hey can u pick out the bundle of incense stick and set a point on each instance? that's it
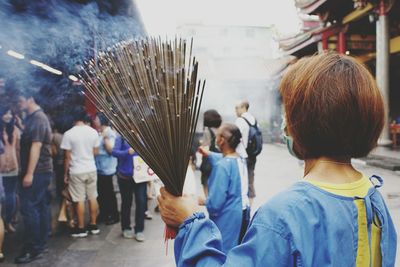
(148, 90)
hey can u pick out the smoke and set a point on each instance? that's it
(61, 34)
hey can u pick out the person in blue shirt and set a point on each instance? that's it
(334, 216)
(106, 165)
(227, 202)
(127, 187)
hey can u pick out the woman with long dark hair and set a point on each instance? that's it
(9, 163)
(212, 120)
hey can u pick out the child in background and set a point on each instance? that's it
(212, 121)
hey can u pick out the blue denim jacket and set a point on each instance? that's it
(106, 164)
(303, 226)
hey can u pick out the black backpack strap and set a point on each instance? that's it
(211, 133)
(213, 140)
(255, 123)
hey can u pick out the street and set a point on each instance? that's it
(275, 171)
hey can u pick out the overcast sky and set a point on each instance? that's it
(162, 16)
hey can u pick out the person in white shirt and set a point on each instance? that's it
(81, 144)
(242, 115)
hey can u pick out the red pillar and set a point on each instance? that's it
(382, 9)
(341, 43)
(325, 43)
(89, 105)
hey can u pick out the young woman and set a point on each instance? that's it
(212, 120)
(227, 202)
(335, 216)
(127, 186)
(9, 163)
(106, 168)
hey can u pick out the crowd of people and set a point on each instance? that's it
(36, 154)
(333, 113)
(81, 162)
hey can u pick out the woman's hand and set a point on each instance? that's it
(175, 210)
(204, 150)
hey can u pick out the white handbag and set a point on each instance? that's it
(141, 171)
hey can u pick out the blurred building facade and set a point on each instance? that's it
(238, 63)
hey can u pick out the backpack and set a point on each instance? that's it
(255, 142)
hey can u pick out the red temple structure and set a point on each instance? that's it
(368, 30)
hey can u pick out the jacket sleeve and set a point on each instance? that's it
(117, 151)
(218, 186)
(214, 157)
(199, 243)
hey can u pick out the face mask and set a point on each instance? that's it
(288, 139)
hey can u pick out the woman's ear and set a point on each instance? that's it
(220, 141)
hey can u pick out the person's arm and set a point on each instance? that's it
(214, 157)
(96, 143)
(117, 151)
(34, 154)
(199, 243)
(218, 186)
(109, 142)
(18, 145)
(54, 148)
(108, 145)
(38, 135)
(66, 146)
(67, 161)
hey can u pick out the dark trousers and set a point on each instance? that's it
(106, 197)
(35, 212)
(10, 202)
(128, 187)
(245, 224)
(251, 165)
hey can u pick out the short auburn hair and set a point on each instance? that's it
(333, 107)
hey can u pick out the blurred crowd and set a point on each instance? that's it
(41, 163)
(81, 167)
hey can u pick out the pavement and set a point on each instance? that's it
(275, 171)
(384, 157)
